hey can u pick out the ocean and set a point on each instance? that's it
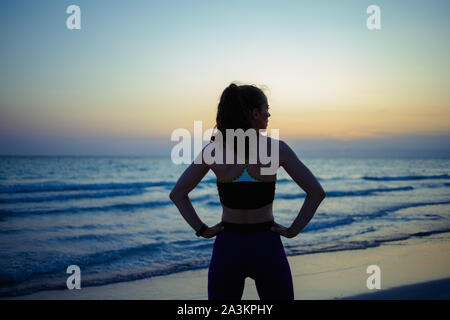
(112, 216)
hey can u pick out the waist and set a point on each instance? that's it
(241, 216)
(247, 227)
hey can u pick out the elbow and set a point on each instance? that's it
(175, 194)
(319, 194)
(322, 194)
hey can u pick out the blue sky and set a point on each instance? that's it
(137, 70)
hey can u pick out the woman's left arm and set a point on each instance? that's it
(185, 184)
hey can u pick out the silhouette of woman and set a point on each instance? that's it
(248, 242)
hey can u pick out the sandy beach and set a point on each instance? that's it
(417, 268)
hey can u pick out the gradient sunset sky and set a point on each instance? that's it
(137, 70)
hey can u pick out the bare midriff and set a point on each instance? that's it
(259, 215)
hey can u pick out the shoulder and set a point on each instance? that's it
(282, 145)
(285, 152)
(279, 147)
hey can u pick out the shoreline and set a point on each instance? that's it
(431, 290)
(416, 268)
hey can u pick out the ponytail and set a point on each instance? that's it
(235, 106)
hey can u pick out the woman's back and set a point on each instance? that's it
(229, 171)
(245, 193)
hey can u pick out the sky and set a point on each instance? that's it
(137, 70)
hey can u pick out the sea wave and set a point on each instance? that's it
(407, 178)
(57, 261)
(120, 207)
(364, 192)
(168, 268)
(50, 186)
(72, 196)
(354, 245)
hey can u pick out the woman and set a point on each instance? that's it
(248, 242)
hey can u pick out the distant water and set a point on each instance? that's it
(113, 218)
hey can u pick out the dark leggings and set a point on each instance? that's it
(259, 255)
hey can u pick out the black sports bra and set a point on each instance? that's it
(245, 191)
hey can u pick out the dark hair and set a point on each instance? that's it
(235, 106)
(234, 109)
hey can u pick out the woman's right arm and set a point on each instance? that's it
(306, 180)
